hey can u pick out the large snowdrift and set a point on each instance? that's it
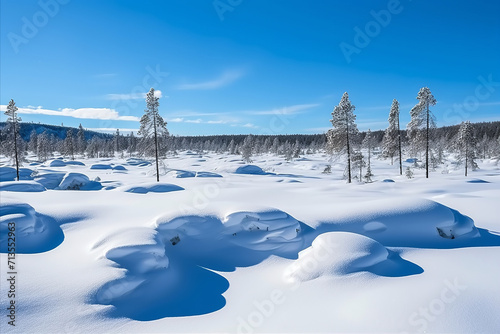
(34, 232)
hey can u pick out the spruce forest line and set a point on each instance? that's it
(421, 141)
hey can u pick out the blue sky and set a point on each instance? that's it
(241, 66)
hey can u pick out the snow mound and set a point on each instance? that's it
(409, 223)
(120, 168)
(153, 187)
(181, 173)
(50, 180)
(336, 253)
(250, 169)
(21, 186)
(207, 174)
(101, 166)
(9, 174)
(78, 181)
(34, 232)
(388, 180)
(74, 163)
(56, 163)
(261, 231)
(138, 162)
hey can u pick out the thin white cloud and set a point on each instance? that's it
(83, 113)
(123, 131)
(196, 121)
(224, 79)
(250, 125)
(289, 110)
(131, 96)
(176, 120)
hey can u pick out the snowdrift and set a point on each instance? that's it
(151, 187)
(408, 223)
(343, 253)
(9, 174)
(78, 181)
(34, 232)
(21, 186)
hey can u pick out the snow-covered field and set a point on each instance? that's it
(220, 246)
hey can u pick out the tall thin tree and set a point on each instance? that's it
(422, 120)
(344, 128)
(13, 122)
(152, 124)
(391, 144)
(466, 145)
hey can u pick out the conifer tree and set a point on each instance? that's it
(391, 144)
(344, 129)
(466, 146)
(422, 121)
(247, 148)
(15, 144)
(153, 125)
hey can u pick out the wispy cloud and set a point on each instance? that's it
(289, 110)
(224, 79)
(83, 113)
(250, 125)
(113, 130)
(132, 96)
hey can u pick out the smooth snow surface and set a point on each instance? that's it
(220, 246)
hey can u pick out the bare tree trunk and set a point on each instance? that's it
(156, 150)
(399, 148)
(348, 153)
(427, 145)
(466, 158)
(15, 148)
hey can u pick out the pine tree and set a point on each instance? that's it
(33, 143)
(153, 125)
(80, 140)
(69, 145)
(369, 144)
(466, 146)
(15, 144)
(43, 147)
(422, 120)
(232, 147)
(344, 128)
(391, 144)
(247, 148)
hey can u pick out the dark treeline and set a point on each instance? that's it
(47, 140)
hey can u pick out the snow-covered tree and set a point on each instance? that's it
(247, 148)
(43, 150)
(80, 140)
(14, 142)
(232, 147)
(466, 146)
(33, 143)
(344, 128)
(422, 120)
(369, 144)
(69, 144)
(153, 125)
(391, 144)
(358, 162)
(276, 146)
(132, 144)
